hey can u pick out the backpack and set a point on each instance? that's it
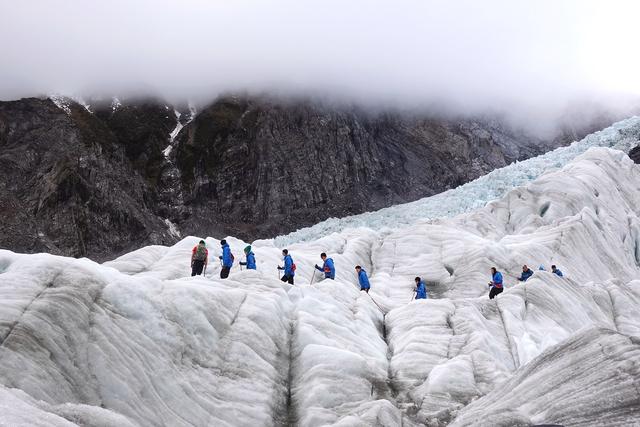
(201, 253)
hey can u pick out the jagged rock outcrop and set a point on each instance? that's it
(67, 186)
(99, 181)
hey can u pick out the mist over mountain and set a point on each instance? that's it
(530, 61)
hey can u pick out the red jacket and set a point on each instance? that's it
(195, 249)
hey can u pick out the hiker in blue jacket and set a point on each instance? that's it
(227, 259)
(289, 267)
(251, 259)
(363, 279)
(421, 289)
(556, 271)
(495, 283)
(327, 268)
(526, 273)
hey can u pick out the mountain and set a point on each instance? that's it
(253, 167)
(72, 183)
(138, 342)
(103, 177)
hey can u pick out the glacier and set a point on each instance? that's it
(138, 342)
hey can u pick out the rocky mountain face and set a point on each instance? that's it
(255, 168)
(79, 183)
(102, 180)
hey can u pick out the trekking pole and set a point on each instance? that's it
(414, 296)
(204, 273)
(313, 276)
(374, 301)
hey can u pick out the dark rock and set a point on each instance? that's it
(66, 186)
(141, 128)
(635, 154)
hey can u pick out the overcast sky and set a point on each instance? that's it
(468, 54)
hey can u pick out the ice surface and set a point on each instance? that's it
(604, 371)
(137, 341)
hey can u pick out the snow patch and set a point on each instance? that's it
(115, 104)
(173, 229)
(61, 102)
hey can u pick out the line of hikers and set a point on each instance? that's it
(200, 259)
(496, 285)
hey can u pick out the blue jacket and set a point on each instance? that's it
(363, 279)
(558, 272)
(251, 261)
(288, 266)
(497, 279)
(421, 291)
(227, 261)
(328, 268)
(525, 275)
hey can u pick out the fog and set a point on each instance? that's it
(528, 58)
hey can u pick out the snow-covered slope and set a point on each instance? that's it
(135, 341)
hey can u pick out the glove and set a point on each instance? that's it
(243, 263)
(317, 266)
(280, 268)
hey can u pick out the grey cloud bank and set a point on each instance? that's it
(528, 57)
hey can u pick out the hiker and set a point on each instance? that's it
(363, 279)
(327, 267)
(289, 267)
(199, 258)
(495, 283)
(526, 273)
(556, 271)
(251, 259)
(227, 259)
(421, 289)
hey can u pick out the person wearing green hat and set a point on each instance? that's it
(251, 259)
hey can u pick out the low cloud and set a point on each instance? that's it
(528, 58)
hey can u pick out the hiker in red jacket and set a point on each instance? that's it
(199, 258)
